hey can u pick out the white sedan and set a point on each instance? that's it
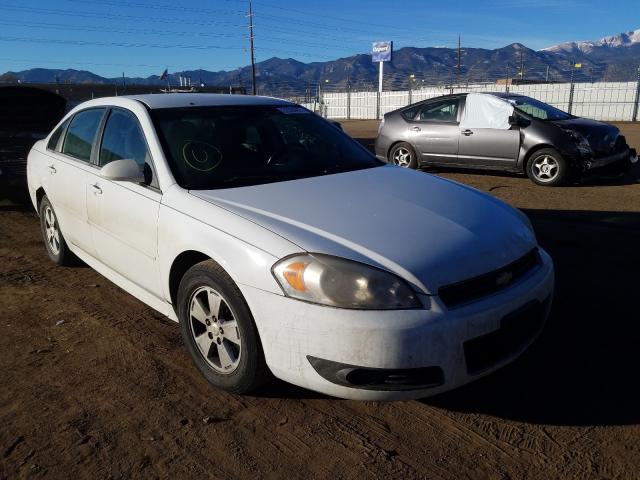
(284, 247)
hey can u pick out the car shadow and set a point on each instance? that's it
(591, 180)
(583, 369)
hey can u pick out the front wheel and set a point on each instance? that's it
(547, 167)
(218, 329)
(403, 155)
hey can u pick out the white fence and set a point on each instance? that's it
(610, 101)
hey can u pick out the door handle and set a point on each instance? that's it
(52, 169)
(467, 132)
(96, 189)
(416, 129)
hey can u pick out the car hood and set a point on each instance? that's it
(601, 136)
(428, 230)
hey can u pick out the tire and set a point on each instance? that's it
(54, 241)
(548, 168)
(403, 155)
(224, 345)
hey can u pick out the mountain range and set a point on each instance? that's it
(614, 58)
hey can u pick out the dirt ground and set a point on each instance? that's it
(94, 384)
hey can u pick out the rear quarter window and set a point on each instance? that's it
(54, 140)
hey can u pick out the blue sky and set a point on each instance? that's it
(142, 37)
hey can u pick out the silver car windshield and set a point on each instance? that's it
(223, 147)
(537, 109)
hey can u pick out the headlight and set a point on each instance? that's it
(581, 142)
(337, 282)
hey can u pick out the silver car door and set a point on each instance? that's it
(435, 131)
(489, 147)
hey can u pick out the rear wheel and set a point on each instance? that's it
(403, 155)
(218, 329)
(547, 167)
(54, 241)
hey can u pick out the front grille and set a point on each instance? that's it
(456, 294)
(516, 331)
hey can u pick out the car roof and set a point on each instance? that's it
(179, 100)
(505, 94)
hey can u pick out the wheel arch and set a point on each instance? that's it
(396, 143)
(40, 193)
(183, 262)
(529, 154)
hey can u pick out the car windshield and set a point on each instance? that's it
(223, 147)
(537, 109)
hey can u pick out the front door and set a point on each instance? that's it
(124, 215)
(489, 147)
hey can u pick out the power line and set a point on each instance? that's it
(65, 26)
(112, 44)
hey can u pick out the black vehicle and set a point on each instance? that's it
(547, 144)
(26, 115)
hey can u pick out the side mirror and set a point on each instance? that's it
(513, 120)
(126, 170)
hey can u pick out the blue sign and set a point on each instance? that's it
(381, 51)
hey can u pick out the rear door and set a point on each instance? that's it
(435, 132)
(124, 215)
(69, 164)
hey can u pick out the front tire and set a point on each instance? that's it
(218, 330)
(547, 167)
(54, 241)
(403, 155)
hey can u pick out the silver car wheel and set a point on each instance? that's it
(52, 231)
(402, 157)
(546, 168)
(215, 330)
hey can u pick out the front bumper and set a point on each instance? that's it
(296, 336)
(622, 160)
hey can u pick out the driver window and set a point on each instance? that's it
(444, 111)
(123, 139)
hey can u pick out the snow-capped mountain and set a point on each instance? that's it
(626, 39)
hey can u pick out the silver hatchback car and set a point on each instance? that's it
(501, 131)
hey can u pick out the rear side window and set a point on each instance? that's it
(444, 111)
(54, 141)
(81, 134)
(123, 139)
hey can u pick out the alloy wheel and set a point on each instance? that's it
(546, 168)
(402, 157)
(215, 330)
(52, 231)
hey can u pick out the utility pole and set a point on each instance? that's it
(253, 61)
(459, 64)
(521, 64)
